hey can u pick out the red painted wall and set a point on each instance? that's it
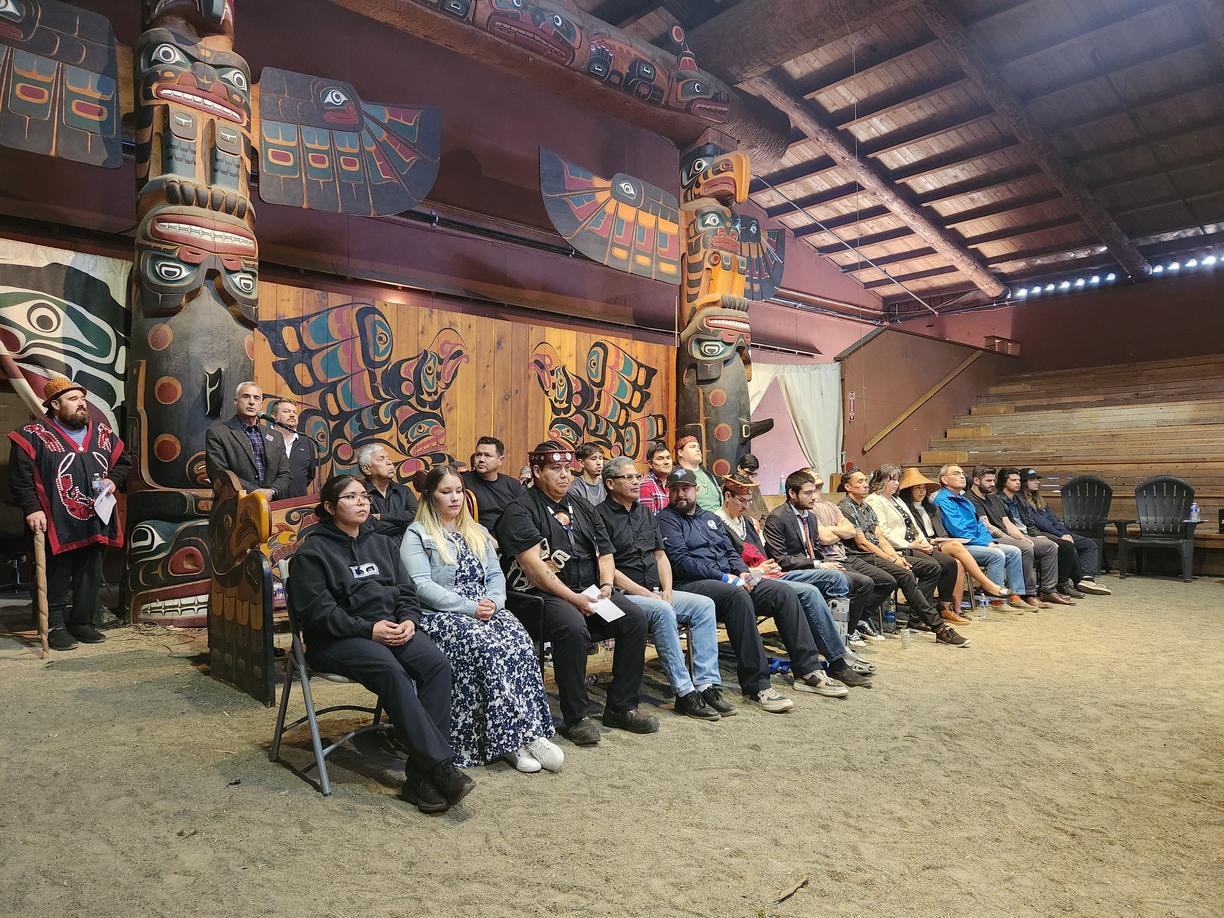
(1160, 319)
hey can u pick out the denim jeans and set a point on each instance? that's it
(698, 613)
(812, 585)
(995, 558)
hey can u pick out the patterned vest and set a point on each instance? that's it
(62, 476)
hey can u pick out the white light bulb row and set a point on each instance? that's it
(1096, 280)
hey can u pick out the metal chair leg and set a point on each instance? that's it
(290, 670)
(324, 782)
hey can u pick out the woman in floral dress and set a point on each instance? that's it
(499, 709)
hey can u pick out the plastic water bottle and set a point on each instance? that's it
(840, 610)
(890, 616)
(96, 484)
(907, 638)
(983, 607)
(1194, 513)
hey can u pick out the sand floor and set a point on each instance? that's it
(1069, 763)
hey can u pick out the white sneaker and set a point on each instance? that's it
(548, 754)
(523, 761)
(820, 684)
(1091, 586)
(771, 700)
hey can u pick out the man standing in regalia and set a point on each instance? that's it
(60, 466)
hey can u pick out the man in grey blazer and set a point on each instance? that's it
(253, 453)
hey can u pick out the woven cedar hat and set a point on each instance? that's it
(738, 486)
(911, 478)
(57, 386)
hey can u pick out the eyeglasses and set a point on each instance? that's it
(355, 497)
(634, 477)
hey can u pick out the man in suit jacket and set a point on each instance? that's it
(242, 446)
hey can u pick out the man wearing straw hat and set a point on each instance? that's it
(61, 465)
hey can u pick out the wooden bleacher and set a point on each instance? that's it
(1123, 422)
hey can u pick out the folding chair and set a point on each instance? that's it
(297, 668)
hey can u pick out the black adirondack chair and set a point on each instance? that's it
(1086, 500)
(1163, 505)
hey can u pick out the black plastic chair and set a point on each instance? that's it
(1086, 500)
(297, 669)
(1163, 506)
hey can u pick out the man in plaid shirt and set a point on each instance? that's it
(654, 486)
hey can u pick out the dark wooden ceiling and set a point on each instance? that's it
(1115, 148)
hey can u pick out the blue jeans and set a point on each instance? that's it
(812, 585)
(994, 558)
(698, 613)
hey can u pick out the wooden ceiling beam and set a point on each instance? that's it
(816, 199)
(873, 180)
(1179, 131)
(1010, 109)
(1106, 21)
(977, 183)
(867, 64)
(895, 99)
(836, 223)
(954, 158)
(1212, 14)
(755, 36)
(863, 242)
(1015, 232)
(997, 208)
(788, 174)
(855, 267)
(906, 278)
(1040, 251)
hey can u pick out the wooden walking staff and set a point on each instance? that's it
(40, 586)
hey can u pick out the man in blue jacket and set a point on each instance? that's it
(699, 550)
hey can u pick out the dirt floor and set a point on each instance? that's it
(1069, 763)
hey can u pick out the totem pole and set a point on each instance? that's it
(195, 289)
(713, 363)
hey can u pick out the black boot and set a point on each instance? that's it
(86, 633)
(419, 790)
(60, 639)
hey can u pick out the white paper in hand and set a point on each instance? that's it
(604, 608)
(104, 506)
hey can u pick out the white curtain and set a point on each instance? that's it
(812, 394)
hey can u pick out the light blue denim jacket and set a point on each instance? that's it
(435, 581)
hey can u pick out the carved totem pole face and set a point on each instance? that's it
(196, 287)
(713, 359)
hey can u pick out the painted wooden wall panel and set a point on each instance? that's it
(427, 382)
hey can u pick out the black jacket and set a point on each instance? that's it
(303, 464)
(784, 538)
(340, 586)
(395, 512)
(226, 448)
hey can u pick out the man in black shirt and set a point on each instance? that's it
(493, 491)
(393, 506)
(993, 514)
(300, 450)
(555, 547)
(643, 572)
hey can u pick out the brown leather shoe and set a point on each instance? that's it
(1056, 600)
(1034, 602)
(954, 618)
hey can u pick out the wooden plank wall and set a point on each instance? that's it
(494, 389)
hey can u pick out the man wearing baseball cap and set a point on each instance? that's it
(700, 551)
(1088, 556)
(59, 466)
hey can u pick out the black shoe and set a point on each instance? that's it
(632, 720)
(86, 634)
(60, 639)
(693, 705)
(420, 791)
(841, 671)
(453, 783)
(714, 699)
(1066, 589)
(583, 733)
(950, 637)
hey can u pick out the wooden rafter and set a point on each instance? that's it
(754, 36)
(1034, 137)
(1212, 13)
(872, 179)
